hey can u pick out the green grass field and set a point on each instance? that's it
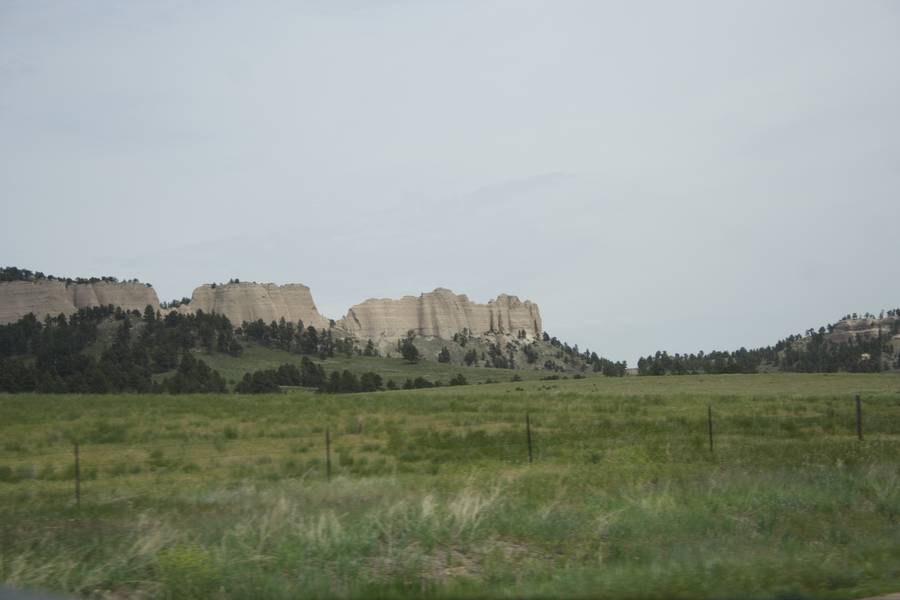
(432, 494)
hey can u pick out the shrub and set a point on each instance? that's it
(459, 379)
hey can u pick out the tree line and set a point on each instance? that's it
(295, 338)
(18, 274)
(572, 356)
(49, 355)
(312, 375)
(507, 357)
(814, 352)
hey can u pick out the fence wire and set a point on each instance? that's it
(198, 461)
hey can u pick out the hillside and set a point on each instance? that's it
(105, 349)
(99, 334)
(866, 343)
(256, 357)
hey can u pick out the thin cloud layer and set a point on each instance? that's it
(700, 175)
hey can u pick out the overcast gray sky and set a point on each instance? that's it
(656, 175)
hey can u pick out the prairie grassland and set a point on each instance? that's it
(432, 494)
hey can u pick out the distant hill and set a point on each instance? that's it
(855, 343)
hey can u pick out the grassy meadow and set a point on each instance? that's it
(431, 492)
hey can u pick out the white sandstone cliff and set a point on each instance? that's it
(253, 301)
(441, 314)
(52, 297)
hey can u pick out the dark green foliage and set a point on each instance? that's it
(444, 355)
(270, 380)
(312, 374)
(741, 361)
(175, 303)
(259, 382)
(17, 376)
(17, 274)
(606, 366)
(459, 379)
(813, 352)
(498, 359)
(51, 356)
(574, 359)
(349, 382)
(309, 375)
(345, 382)
(194, 377)
(408, 350)
(284, 335)
(333, 384)
(420, 383)
(370, 382)
(471, 357)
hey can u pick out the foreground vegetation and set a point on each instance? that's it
(431, 492)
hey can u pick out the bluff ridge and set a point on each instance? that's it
(441, 314)
(253, 301)
(54, 297)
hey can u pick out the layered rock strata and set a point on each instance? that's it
(51, 297)
(865, 328)
(441, 314)
(253, 301)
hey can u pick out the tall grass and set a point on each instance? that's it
(432, 495)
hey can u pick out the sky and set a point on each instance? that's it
(655, 175)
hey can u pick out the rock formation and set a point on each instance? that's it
(845, 329)
(253, 301)
(441, 314)
(53, 297)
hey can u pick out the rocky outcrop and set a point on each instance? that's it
(52, 297)
(865, 328)
(441, 314)
(253, 301)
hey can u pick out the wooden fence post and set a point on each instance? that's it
(710, 427)
(77, 476)
(859, 427)
(528, 434)
(327, 454)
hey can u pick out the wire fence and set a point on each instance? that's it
(322, 453)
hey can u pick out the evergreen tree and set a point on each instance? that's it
(408, 350)
(444, 355)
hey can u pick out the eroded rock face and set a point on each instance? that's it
(846, 329)
(253, 301)
(441, 314)
(46, 297)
